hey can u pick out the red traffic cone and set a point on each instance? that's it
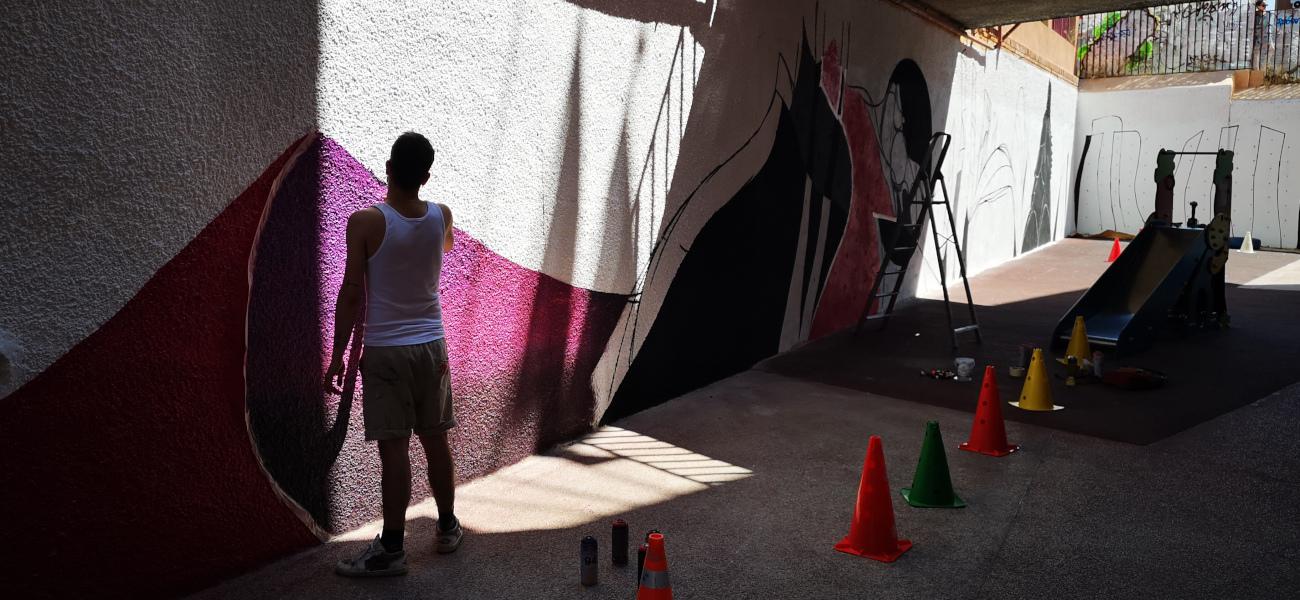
(654, 578)
(1114, 251)
(872, 532)
(988, 433)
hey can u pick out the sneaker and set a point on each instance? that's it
(374, 561)
(449, 541)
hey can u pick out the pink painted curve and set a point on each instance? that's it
(522, 347)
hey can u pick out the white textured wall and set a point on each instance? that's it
(568, 132)
(1128, 128)
(1008, 150)
(124, 128)
(554, 134)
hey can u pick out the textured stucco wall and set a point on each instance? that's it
(1009, 168)
(128, 461)
(1128, 128)
(521, 345)
(649, 196)
(124, 128)
(557, 129)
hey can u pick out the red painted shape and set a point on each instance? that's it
(858, 258)
(832, 74)
(128, 469)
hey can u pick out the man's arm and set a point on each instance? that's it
(449, 238)
(351, 297)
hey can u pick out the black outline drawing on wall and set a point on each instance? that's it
(1275, 181)
(1193, 173)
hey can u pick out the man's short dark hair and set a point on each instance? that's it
(410, 160)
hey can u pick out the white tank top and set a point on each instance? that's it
(402, 307)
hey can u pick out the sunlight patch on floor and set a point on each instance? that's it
(1285, 278)
(610, 472)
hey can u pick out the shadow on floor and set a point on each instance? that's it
(1210, 372)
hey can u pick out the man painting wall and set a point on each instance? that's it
(394, 261)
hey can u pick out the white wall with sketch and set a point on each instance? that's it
(1120, 132)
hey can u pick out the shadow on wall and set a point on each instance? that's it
(136, 439)
(146, 120)
(522, 347)
(680, 13)
(299, 428)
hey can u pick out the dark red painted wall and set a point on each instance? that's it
(127, 466)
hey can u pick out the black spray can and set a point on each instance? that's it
(640, 559)
(589, 562)
(619, 542)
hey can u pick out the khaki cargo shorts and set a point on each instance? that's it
(407, 388)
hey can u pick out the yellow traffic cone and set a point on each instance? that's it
(1037, 393)
(1078, 347)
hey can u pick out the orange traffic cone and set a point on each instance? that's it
(1114, 251)
(988, 434)
(872, 532)
(654, 577)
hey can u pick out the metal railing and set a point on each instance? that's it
(1226, 35)
(1278, 50)
(1179, 38)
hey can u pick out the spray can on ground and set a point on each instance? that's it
(640, 559)
(1096, 363)
(618, 542)
(588, 566)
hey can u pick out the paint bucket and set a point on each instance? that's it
(965, 365)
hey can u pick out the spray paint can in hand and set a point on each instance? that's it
(589, 564)
(618, 542)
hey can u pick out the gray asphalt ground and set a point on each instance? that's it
(1208, 513)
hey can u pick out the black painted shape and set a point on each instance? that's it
(727, 303)
(1078, 175)
(825, 154)
(1038, 224)
(725, 307)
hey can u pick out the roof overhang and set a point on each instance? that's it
(968, 14)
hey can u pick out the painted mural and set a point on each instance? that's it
(522, 356)
(795, 207)
(162, 455)
(771, 243)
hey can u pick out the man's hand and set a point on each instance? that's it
(334, 377)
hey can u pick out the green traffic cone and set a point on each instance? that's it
(931, 486)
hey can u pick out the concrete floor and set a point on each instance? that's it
(753, 480)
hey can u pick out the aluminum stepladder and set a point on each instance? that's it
(902, 240)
